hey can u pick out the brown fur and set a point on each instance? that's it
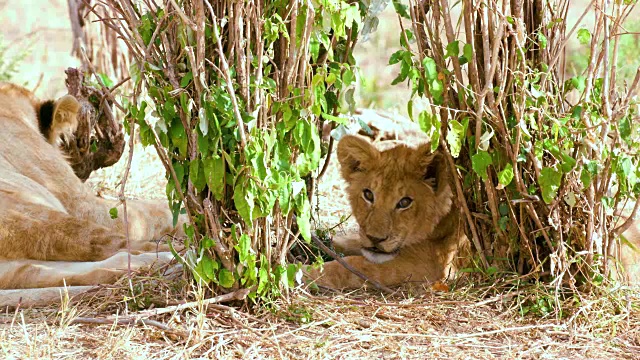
(392, 161)
(630, 254)
(47, 213)
(426, 236)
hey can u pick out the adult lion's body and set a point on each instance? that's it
(46, 212)
(401, 196)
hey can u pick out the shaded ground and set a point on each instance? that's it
(415, 323)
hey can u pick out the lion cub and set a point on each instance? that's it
(401, 196)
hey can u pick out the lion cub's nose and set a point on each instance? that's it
(376, 240)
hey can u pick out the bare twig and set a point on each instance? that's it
(232, 296)
(128, 321)
(346, 265)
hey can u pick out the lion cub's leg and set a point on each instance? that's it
(348, 244)
(45, 234)
(393, 272)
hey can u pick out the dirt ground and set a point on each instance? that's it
(469, 322)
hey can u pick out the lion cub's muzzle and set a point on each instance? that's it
(377, 255)
(378, 249)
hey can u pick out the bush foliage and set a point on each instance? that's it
(233, 95)
(547, 161)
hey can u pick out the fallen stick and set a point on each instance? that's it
(140, 318)
(128, 321)
(236, 295)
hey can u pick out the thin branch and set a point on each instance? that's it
(129, 321)
(346, 265)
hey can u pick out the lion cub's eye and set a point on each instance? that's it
(367, 195)
(404, 203)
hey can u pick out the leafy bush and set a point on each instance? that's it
(544, 166)
(232, 96)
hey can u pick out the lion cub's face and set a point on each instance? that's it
(397, 195)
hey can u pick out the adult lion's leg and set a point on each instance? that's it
(23, 274)
(152, 220)
(44, 234)
(147, 220)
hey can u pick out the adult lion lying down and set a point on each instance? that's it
(402, 197)
(50, 221)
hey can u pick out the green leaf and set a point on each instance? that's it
(584, 36)
(196, 174)
(453, 49)
(209, 267)
(292, 272)
(435, 135)
(549, 183)
(437, 89)
(485, 139)
(624, 127)
(579, 83)
(243, 198)
(214, 175)
(480, 162)
(186, 79)
(626, 166)
(314, 48)
(425, 122)
(405, 68)
(113, 213)
(568, 163)
(396, 57)
(467, 52)
(506, 175)
(245, 252)
(585, 178)
(336, 119)
(284, 194)
(134, 72)
(401, 9)
(408, 34)
(456, 135)
(225, 278)
(542, 40)
(105, 80)
(430, 69)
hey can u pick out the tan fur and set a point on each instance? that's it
(426, 236)
(391, 161)
(65, 122)
(46, 212)
(630, 254)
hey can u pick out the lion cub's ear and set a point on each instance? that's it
(58, 119)
(432, 166)
(354, 154)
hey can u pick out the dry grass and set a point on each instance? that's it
(412, 323)
(478, 322)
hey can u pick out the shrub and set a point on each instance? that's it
(545, 164)
(232, 95)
